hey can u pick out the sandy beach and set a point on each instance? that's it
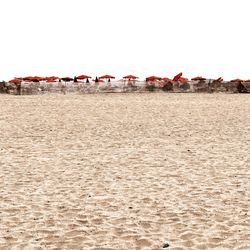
(125, 171)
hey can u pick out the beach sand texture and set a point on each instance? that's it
(125, 171)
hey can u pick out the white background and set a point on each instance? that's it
(119, 37)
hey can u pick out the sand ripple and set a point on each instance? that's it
(129, 171)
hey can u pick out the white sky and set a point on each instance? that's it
(120, 37)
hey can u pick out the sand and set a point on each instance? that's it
(125, 171)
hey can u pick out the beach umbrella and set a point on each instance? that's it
(183, 79)
(16, 81)
(237, 80)
(130, 77)
(166, 79)
(51, 78)
(33, 78)
(219, 79)
(198, 78)
(153, 78)
(67, 79)
(28, 78)
(107, 77)
(38, 78)
(177, 77)
(82, 77)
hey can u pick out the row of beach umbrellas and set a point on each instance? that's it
(65, 79)
(176, 78)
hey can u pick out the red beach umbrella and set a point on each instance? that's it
(219, 79)
(16, 81)
(67, 79)
(51, 78)
(183, 79)
(198, 78)
(82, 77)
(38, 78)
(130, 77)
(177, 77)
(33, 78)
(98, 80)
(153, 78)
(166, 79)
(237, 80)
(107, 77)
(28, 78)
